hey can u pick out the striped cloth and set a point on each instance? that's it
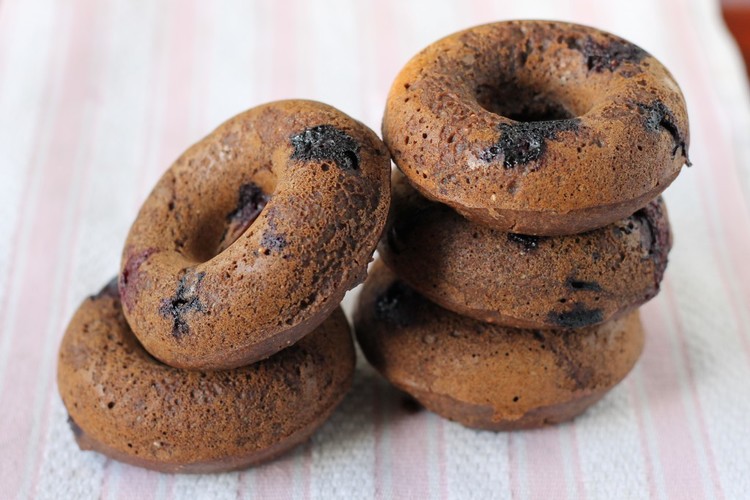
(97, 97)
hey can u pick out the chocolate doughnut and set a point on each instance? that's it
(525, 281)
(488, 376)
(124, 403)
(537, 127)
(252, 237)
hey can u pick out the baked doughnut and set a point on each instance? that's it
(525, 281)
(537, 127)
(254, 234)
(488, 376)
(124, 403)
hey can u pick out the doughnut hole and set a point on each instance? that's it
(227, 218)
(524, 103)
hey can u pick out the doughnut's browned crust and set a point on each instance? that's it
(525, 281)
(537, 127)
(254, 234)
(483, 375)
(124, 403)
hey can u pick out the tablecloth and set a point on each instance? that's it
(97, 97)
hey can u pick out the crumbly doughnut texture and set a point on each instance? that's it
(253, 236)
(124, 403)
(488, 376)
(525, 281)
(537, 127)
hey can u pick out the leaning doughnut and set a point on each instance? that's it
(254, 234)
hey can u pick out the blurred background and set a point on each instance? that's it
(98, 97)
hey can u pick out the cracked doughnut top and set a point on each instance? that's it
(536, 127)
(252, 237)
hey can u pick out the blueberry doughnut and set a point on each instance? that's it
(525, 281)
(537, 127)
(124, 403)
(489, 376)
(252, 237)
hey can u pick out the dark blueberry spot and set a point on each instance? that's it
(388, 306)
(560, 345)
(184, 300)
(77, 431)
(657, 116)
(135, 261)
(655, 236)
(528, 242)
(326, 142)
(578, 317)
(523, 142)
(250, 203)
(575, 285)
(610, 56)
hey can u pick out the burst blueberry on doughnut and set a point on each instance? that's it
(525, 281)
(489, 376)
(124, 403)
(254, 234)
(537, 127)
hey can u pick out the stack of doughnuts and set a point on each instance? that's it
(526, 225)
(222, 343)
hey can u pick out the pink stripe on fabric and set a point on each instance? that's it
(514, 479)
(284, 69)
(175, 136)
(683, 351)
(442, 460)
(48, 220)
(577, 466)
(544, 456)
(106, 481)
(677, 453)
(648, 461)
(409, 452)
(6, 19)
(389, 54)
(275, 479)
